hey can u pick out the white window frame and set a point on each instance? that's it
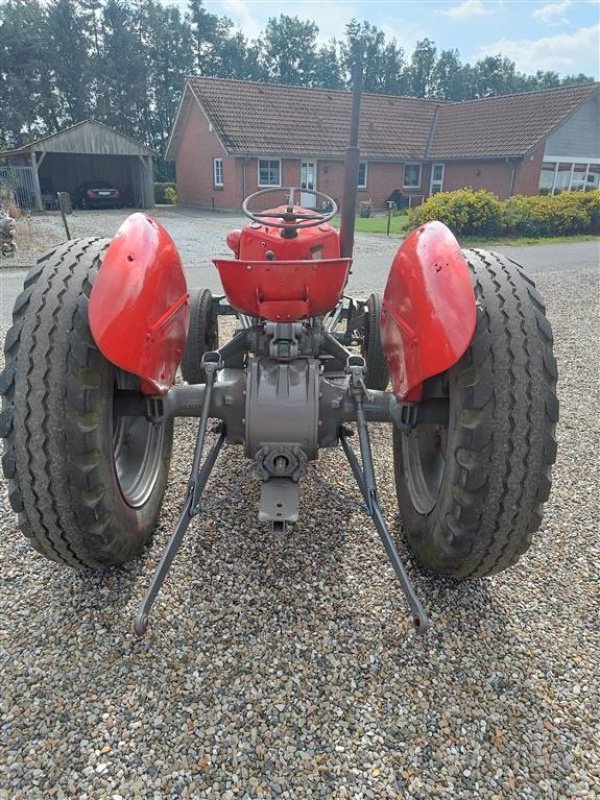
(572, 160)
(270, 161)
(217, 161)
(439, 183)
(362, 185)
(411, 186)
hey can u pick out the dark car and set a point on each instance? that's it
(97, 194)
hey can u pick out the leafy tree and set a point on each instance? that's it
(328, 70)
(289, 50)
(448, 77)
(67, 45)
(421, 69)
(204, 27)
(494, 75)
(170, 59)
(28, 107)
(121, 100)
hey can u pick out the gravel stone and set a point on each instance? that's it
(291, 670)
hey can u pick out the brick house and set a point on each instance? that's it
(231, 138)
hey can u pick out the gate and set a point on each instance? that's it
(18, 184)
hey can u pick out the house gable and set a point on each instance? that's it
(578, 136)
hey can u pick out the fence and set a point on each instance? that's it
(18, 184)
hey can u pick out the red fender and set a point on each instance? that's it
(138, 311)
(428, 313)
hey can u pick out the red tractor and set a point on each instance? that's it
(101, 327)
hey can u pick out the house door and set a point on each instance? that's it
(308, 180)
(437, 178)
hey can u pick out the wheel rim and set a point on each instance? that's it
(424, 456)
(137, 450)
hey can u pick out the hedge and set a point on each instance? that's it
(160, 196)
(479, 213)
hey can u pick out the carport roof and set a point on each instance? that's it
(88, 136)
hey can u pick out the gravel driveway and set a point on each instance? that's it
(291, 671)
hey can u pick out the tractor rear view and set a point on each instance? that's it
(102, 326)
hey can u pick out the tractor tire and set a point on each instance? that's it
(203, 336)
(376, 375)
(471, 493)
(87, 486)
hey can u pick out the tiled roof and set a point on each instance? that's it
(503, 126)
(272, 119)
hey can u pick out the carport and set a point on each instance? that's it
(86, 151)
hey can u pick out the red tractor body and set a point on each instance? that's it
(461, 336)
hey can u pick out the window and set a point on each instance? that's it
(362, 175)
(412, 176)
(218, 171)
(437, 178)
(564, 175)
(269, 172)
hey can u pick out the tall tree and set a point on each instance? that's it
(28, 106)
(203, 26)
(68, 44)
(495, 75)
(171, 58)
(289, 50)
(382, 61)
(420, 71)
(447, 78)
(121, 100)
(328, 70)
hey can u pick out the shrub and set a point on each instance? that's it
(170, 195)
(365, 207)
(466, 212)
(160, 192)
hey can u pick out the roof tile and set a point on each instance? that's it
(273, 119)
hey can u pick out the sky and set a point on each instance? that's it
(561, 35)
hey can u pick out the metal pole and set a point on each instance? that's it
(351, 168)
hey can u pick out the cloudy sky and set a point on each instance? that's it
(561, 35)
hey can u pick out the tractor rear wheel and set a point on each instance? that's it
(376, 374)
(87, 485)
(203, 336)
(471, 492)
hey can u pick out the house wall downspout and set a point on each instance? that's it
(513, 176)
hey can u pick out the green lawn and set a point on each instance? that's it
(378, 224)
(399, 225)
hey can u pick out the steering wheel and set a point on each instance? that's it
(291, 219)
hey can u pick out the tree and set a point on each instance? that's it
(170, 59)
(288, 51)
(447, 77)
(122, 99)
(204, 28)
(28, 107)
(67, 45)
(328, 70)
(420, 71)
(495, 75)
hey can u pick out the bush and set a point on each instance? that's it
(161, 195)
(467, 213)
(365, 207)
(170, 195)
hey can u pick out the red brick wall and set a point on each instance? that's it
(199, 145)
(194, 166)
(528, 172)
(383, 178)
(493, 175)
